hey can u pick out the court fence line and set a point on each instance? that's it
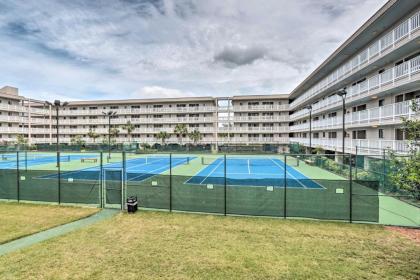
(106, 182)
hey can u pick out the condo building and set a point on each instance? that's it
(378, 69)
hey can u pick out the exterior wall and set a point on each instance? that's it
(10, 119)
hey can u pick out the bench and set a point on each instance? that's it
(94, 160)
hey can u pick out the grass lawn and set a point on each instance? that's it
(18, 220)
(156, 245)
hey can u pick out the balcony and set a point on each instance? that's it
(388, 114)
(10, 119)
(253, 140)
(258, 129)
(366, 146)
(250, 108)
(261, 119)
(396, 76)
(380, 48)
(11, 108)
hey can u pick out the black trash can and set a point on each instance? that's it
(132, 204)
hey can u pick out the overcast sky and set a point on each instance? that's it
(113, 49)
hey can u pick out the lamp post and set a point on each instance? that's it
(342, 93)
(57, 104)
(309, 107)
(109, 114)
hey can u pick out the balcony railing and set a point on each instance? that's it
(391, 113)
(395, 75)
(378, 49)
(261, 119)
(366, 145)
(246, 108)
(260, 129)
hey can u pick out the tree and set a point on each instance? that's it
(405, 171)
(129, 127)
(77, 140)
(180, 131)
(114, 132)
(163, 135)
(92, 134)
(22, 140)
(195, 136)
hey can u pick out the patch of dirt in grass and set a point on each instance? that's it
(411, 233)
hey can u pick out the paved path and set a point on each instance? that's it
(56, 231)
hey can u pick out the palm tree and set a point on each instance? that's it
(21, 141)
(114, 132)
(163, 135)
(180, 131)
(92, 134)
(129, 127)
(195, 136)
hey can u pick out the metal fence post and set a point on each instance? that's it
(225, 183)
(26, 161)
(101, 181)
(17, 177)
(170, 182)
(383, 169)
(285, 188)
(123, 180)
(59, 177)
(351, 191)
(355, 164)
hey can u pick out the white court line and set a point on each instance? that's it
(287, 172)
(212, 171)
(249, 168)
(166, 166)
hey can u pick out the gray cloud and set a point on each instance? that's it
(117, 49)
(235, 56)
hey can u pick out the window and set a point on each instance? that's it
(113, 107)
(93, 108)
(380, 133)
(316, 134)
(157, 106)
(359, 134)
(399, 98)
(332, 134)
(399, 134)
(381, 102)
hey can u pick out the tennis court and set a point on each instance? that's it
(9, 161)
(252, 172)
(137, 169)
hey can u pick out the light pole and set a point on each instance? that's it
(342, 93)
(309, 107)
(57, 104)
(109, 114)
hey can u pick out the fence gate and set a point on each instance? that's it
(112, 188)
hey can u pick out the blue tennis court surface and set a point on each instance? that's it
(252, 172)
(9, 161)
(137, 169)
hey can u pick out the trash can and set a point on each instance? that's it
(132, 204)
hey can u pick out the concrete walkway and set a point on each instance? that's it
(56, 231)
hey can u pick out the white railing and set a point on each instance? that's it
(392, 76)
(7, 107)
(261, 118)
(121, 121)
(121, 111)
(260, 107)
(250, 129)
(4, 118)
(374, 116)
(351, 144)
(378, 48)
(253, 140)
